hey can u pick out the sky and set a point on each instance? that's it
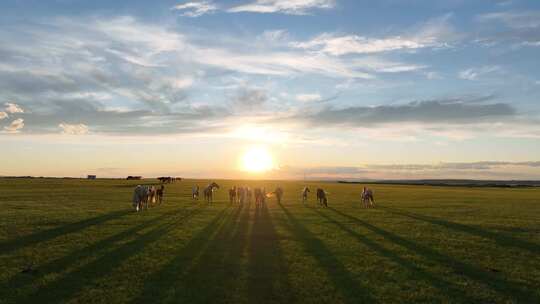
(344, 89)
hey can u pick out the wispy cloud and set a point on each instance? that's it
(250, 99)
(290, 7)
(437, 32)
(476, 73)
(15, 126)
(341, 45)
(511, 28)
(379, 65)
(73, 129)
(514, 19)
(196, 8)
(3, 115)
(308, 97)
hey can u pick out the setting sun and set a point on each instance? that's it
(257, 159)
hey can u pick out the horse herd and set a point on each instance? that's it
(145, 196)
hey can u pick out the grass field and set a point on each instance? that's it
(78, 241)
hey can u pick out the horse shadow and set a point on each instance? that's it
(523, 293)
(267, 270)
(42, 236)
(198, 264)
(342, 280)
(499, 238)
(446, 287)
(43, 270)
(69, 284)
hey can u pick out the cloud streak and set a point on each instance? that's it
(196, 9)
(435, 33)
(475, 73)
(429, 112)
(289, 7)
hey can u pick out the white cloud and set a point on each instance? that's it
(15, 126)
(341, 45)
(291, 7)
(380, 65)
(278, 63)
(433, 75)
(3, 115)
(434, 33)
(13, 108)
(308, 97)
(73, 129)
(475, 73)
(274, 35)
(196, 9)
(126, 76)
(531, 43)
(182, 83)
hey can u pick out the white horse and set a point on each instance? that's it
(209, 192)
(142, 195)
(195, 192)
(367, 198)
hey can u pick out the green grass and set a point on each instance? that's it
(83, 243)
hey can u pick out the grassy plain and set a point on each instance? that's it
(78, 241)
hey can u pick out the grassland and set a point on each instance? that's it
(78, 241)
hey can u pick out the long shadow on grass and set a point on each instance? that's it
(513, 290)
(195, 272)
(68, 285)
(450, 289)
(49, 234)
(267, 270)
(500, 239)
(343, 281)
(93, 249)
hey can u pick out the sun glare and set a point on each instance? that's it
(257, 159)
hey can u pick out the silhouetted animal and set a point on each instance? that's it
(305, 194)
(321, 197)
(195, 192)
(367, 198)
(232, 194)
(209, 192)
(279, 194)
(159, 194)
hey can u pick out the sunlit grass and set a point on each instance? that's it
(78, 241)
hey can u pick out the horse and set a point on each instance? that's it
(142, 196)
(249, 194)
(209, 192)
(165, 179)
(305, 194)
(259, 195)
(195, 192)
(241, 194)
(232, 194)
(279, 194)
(367, 198)
(159, 194)
(321, 197)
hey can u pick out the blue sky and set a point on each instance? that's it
(358, 89)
